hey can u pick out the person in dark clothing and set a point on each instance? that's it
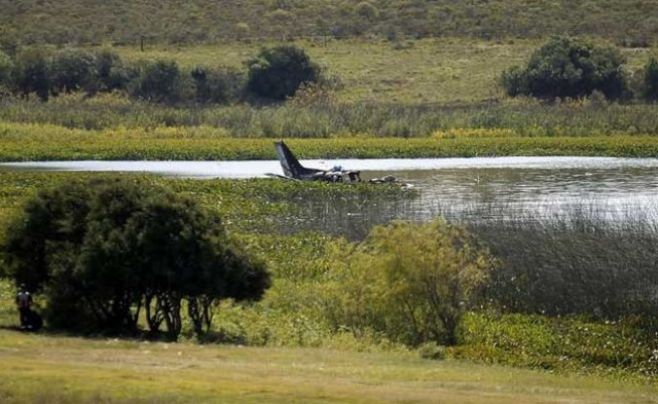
(24, 304)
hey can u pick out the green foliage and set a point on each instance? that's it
(46, 142)
(367, 10)
(72, 70)
(158, 81)
(430, 350)
(276, 73)
(310, 295)
(112, 74)
(567, 67)
(6, 72)
(32, 73)
(558, 343)
(651, 79)
(411, 283)
(104, 249)
(217, 86)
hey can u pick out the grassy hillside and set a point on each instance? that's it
(60, 369)
(426, 71)
(173, 21)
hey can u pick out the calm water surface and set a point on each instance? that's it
(531, 186)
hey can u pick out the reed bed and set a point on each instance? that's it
(33, 142)
(326, 118)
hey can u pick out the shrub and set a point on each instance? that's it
(411, 283)
(367, 10)
(651, 80)
(73, 70)
(102, 250)
(568, 67)
(32, 73)
(430, 350)
(6, 71)
(112, 74)
(217, 86)
(158, 81)
(278, 72)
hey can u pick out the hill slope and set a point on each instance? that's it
(175, 21)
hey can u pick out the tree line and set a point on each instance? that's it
(273, 74)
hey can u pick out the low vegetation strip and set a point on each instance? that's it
(29, 143)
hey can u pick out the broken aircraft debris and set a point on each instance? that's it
(292, 169)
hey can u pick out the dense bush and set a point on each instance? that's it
(217, 86)
(569, 67)
(32, 73)
(103, 250)
(6, 71)
(411, 283)
(73, 70)
(158, 81)
(277, 73)
(651, 79)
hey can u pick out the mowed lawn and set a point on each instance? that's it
(47, 368)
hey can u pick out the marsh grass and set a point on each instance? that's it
(35, 142)
(524, 117)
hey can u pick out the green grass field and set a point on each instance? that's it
(49, 368)
(442, 70)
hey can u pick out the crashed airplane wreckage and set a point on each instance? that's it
(293, 170)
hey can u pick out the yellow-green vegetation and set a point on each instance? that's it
(61, 369)
(320, 286)
(46, 142)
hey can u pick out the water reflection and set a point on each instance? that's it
(616, 194)
(535, 188)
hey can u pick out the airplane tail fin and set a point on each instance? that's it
(291, 166)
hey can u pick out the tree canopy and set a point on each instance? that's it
(569, 67)
(103, 250)
(278, 72)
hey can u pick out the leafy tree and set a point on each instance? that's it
(111, 73)
(158, 81)
(277, 73)
(32, 73)
(73, 70)
(651, 79)
(569, 67)
(412, 283)
(104, 250)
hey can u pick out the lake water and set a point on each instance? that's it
(529, 186)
